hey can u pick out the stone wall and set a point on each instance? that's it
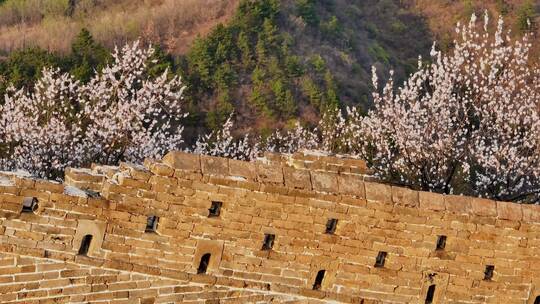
(213, 228)
(32, 280)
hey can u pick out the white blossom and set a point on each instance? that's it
(467, 123)
(119, 115)
(222, 143)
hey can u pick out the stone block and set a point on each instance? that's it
(509, 211)
(118, 264)
(108, 171)
(484, 207)
(405, 197)
(49, 186)
(330, 267)
(297, 179)
(247, 170)
(458, 204)
(440, 283)
(83, 175)
(378, 192)
(127, 181)
(110, 189)
(183, 161)
(137, 172)
(214, 165)
(324, 181)
(431, 201)
(161, 169)
(531, 213)
(351, 184)
(268, 173)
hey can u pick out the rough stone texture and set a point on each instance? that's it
(405, 197)
(84, 179)
(458, 204)
(214, 248)
(39, 261)
(270, 173)
(509, 211)
(182, 160)
(324, 181)
(378, 192)
(37, 280)
(431, 201)
(484, 207)
(351, 184)
(214, 165)
(297, 179)
(242, 169)
(531, 213)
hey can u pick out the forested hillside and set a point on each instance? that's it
(272, 63)
(278, 62)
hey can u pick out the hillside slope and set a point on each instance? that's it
(442, 16)
(279, 62)
(53, 24)
(272, 63)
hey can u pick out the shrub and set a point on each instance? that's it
(86, 56)
(332, 28)
(23, 67)
(379, 53)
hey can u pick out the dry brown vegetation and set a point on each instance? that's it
(52, 24)
(443, 15)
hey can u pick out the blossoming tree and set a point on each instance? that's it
(327, 137)
(222, 143)
(120, 114)
(467, 123)
(42, 131)
(130, 116)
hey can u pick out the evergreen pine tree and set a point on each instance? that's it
(86, 56)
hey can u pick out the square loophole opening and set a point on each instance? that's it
(215, 209)
(29, 205)
(331, 226)
(268, 241)
(381, 259)
(441, 242)
(151, 224)
(488, 273)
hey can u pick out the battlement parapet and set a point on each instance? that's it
(297, 173)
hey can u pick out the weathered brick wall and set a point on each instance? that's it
(30, 280)
(293, 199)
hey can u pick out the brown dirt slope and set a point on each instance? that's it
(52, 24)
(443, 15)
